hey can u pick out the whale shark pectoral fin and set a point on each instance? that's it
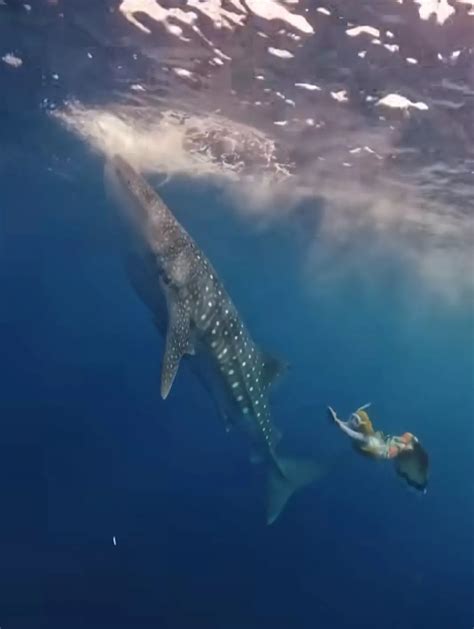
(272, 369)
(178, 342)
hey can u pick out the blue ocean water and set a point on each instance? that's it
(90, 452)
(124, 511)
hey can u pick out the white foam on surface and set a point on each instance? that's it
(311, 87)
(441, 9)
(273, 10)
(183, 72)
(340, 96)
(279, 52)
(221, 17)
(219, 13)
(401, 102)
(154, 10)
(359, 30)
(221, 54)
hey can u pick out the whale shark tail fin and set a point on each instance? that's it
(284, 477)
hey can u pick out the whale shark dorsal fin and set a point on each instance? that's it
(178, 342)
(272, 369)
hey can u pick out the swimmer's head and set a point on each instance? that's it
(408, 438)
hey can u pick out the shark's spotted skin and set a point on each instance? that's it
(209, 320)
(202, 319)
(201, 313)
(239, 360)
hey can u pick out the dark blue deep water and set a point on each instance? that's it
(89, 450)
(119, 510)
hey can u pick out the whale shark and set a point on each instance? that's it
(203, 326)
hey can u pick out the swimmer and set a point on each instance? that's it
(410, 459)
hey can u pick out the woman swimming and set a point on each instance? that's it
(410, 459)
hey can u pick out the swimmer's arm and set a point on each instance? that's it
(357, 436)
(353, 434)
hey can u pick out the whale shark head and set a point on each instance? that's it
(145, 216)
(131, 193)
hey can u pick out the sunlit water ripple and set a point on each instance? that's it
(362, 109)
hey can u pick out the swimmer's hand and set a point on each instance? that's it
(332, 415)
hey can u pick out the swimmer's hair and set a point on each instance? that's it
(365, 425)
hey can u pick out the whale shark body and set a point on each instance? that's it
(204, 325)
